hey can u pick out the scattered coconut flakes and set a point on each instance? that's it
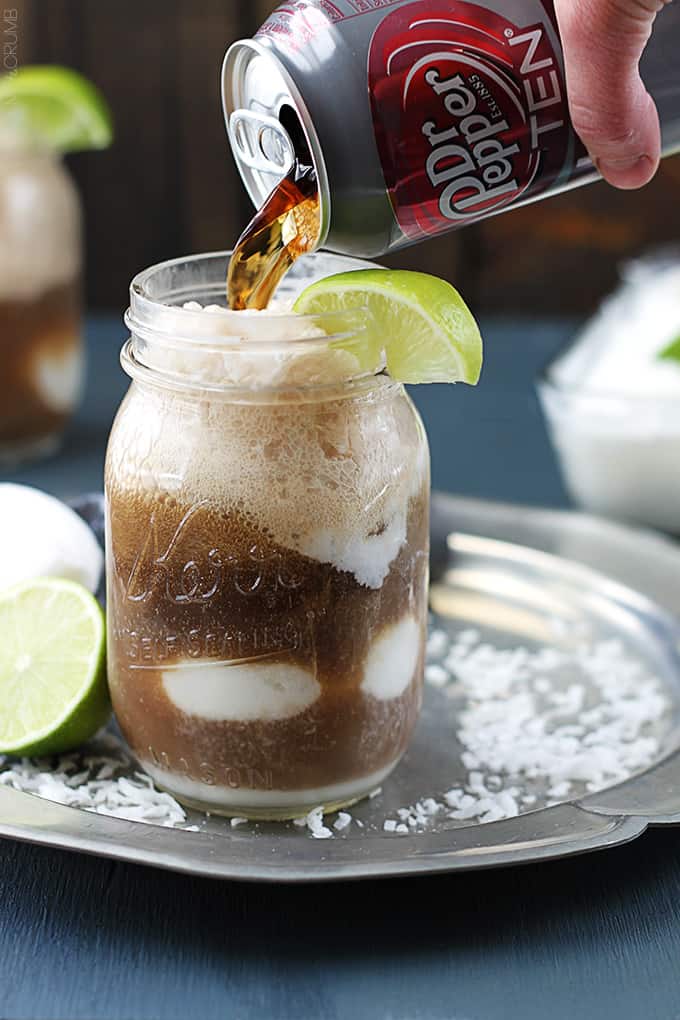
(65, 781)
(512, 728)
(234, 822)
(559, 790)
(436, 675)
(375, 793)
(431, 806)
(315, 824)
(539, 726)
(437, 644)
(418, 815)
(342, 821)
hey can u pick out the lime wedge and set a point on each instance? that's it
(54, 107)
(53, 692)
(672, 351)
(420, 322)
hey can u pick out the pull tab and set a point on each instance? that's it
(261, 142)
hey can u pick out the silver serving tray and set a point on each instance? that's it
(487, 558)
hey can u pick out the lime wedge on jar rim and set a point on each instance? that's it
(422, 324)
(54, 107)
(53, 691)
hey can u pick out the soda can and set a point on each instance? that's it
(419, 116)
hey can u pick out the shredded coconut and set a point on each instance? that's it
(314, 822)
(436, 675)
(437, 644)
(538, 726)
(95, 783)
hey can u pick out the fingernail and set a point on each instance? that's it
(626, 163)
(630, 171)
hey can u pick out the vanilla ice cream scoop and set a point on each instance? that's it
(42, 537)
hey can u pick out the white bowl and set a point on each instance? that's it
(619, 455)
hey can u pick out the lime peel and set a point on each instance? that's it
(420, 322)
(53, 691)
(671, 352)
(55, 108)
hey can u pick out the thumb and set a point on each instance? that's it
(610, 108)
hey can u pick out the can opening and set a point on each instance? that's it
(292, 125)
(268, 124)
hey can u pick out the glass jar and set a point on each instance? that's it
(267, 550)
(40, 317)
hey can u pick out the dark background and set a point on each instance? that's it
(168, 185)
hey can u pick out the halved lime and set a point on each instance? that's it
(422, 324)
(53, 692)
(54, 107)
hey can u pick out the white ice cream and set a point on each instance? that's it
(391, 660)
(615, 414)
(40, 226)
(252, 349)
(41, 537)
(241, 691)
(239, 797)
(58, 377)
(366, 556)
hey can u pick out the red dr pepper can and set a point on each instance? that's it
(420, 116)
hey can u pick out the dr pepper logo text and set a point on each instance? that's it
(470, 113)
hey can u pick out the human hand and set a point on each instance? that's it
(611, 110)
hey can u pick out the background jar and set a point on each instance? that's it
(40, 293)
(267, 501)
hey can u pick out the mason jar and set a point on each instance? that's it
(267, 491)
(40, 315)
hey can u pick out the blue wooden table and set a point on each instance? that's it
(594, 937)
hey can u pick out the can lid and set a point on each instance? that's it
(260, 102)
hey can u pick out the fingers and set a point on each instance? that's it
(611, 110)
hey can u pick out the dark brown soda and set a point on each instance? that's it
(284, 228)
(193, 584)
(31, 329)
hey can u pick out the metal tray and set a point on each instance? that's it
(491, 559)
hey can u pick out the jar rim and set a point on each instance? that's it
(159, 322)
(144, 316)
(356, 385)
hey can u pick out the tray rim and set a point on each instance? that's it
(165, 848)
(610, 818)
